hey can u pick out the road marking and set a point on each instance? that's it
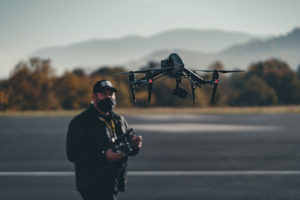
(165, 173)
(37, 173)
(211, 173)
(198, 127)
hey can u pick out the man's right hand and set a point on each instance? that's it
(112, 156)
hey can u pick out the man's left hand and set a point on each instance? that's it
(137, 142)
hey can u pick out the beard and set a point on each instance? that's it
(107, 104)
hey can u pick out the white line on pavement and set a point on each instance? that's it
(164, 173)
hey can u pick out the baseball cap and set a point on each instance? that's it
(103, 85)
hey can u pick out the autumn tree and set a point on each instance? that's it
(253, 91)
(280, 77)
(4, 95)
(268, 83)
(30, 86)
(72, 91)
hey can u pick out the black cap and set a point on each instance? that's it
(103, 85)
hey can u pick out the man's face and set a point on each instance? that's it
(105, 94)
(99, 96)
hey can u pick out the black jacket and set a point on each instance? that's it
(87, 140)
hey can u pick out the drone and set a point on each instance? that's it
(173, 67)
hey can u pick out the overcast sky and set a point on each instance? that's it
(26, 25)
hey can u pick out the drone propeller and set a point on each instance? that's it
(221, 71)
(130, 72)
(131, 78)
(140, 71)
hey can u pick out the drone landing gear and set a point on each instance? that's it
(132, 89)
(193, 86)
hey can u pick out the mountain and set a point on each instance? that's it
(285, 47)
(98, 52)
(192, 59)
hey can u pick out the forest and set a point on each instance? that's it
(33, 85)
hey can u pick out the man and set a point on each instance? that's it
(100, 172)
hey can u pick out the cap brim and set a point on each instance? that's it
(110, 88)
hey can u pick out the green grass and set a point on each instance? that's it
(167, 110)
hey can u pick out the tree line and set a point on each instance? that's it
(33, 85)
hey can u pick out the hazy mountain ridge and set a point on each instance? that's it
(285, 47)
(99, 52)
(234, 50)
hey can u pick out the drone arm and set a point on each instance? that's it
(195, 77)
(158, 72)
(152, 76)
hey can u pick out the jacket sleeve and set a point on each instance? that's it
(78, 151)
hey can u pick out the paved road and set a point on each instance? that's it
(199, 157)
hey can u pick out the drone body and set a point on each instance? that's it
(173, 66)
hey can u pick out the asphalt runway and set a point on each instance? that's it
(255, 156)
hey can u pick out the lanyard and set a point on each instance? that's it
(111, 127)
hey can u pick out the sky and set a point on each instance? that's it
(28, 25)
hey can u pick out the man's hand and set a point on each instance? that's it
(112, 156)
(137, 142)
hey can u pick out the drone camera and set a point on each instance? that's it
(180, 92)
